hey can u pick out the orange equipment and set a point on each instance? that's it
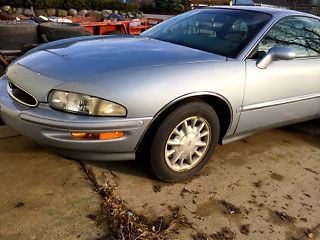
(129, 27)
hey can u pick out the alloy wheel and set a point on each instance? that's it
(187, 144)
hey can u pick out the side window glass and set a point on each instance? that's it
(301, 34)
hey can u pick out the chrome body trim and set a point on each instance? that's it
(279, 102)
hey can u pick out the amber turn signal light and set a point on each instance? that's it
(97, 136)
(79, 135)
(110, 135)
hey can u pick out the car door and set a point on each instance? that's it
(287, 91)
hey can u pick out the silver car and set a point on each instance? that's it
(204, 77)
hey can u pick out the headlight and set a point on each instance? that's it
(84, 104)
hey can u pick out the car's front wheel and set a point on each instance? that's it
(184, 141)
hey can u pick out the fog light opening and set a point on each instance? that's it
(97, 136)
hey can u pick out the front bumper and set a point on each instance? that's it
(53, 129)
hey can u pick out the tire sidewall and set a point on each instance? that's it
(56, 31)
(13, 34)
(158, 163)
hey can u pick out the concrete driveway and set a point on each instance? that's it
(43, 196)
(264, 187)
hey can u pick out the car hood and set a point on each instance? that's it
(96, 59)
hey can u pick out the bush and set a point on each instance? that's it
(77, 4)
(15, 3)
(147, 7)
(114, 5)
(170, 6)
(186, 4)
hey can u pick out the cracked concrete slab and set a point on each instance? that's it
(264, 187)
(44, 196)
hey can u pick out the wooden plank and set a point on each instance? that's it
(3, 60)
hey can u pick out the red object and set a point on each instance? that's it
(133, 27)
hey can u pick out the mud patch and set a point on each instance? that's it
(224, 234)
(258, 184)
(230, 208)
(234, 159)
(283, 219)
(288, 222)
(185, 191)
(208, 208)
(214, 207)
(276, 176)
(307, 234)
(156, 188)
(201, 236)
(19, 205)
(93, 217)
(244, 229)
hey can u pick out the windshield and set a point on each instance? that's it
(221, 31)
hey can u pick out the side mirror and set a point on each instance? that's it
(276, 54)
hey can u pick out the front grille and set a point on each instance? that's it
(21, 96)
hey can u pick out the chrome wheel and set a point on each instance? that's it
(187, 144)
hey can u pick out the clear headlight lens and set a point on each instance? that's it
(84, 104)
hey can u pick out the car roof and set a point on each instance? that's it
(269, 10)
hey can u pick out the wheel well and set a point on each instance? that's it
(221, 107)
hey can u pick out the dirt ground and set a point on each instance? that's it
(43, 196)
(264, 187)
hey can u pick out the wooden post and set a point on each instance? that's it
(3, 60)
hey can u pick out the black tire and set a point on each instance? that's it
(15, 34)
(55, 31)
(158, 164)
